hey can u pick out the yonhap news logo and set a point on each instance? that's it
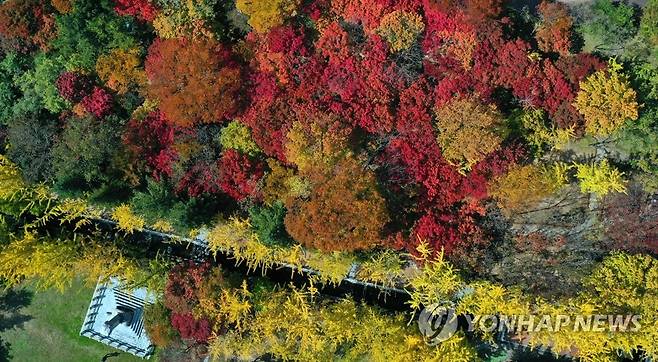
(439, 323)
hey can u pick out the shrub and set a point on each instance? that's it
(157, 322)
(190, 327)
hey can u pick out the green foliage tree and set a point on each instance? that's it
(158, 203)
(12, 67)
(268, 224)
(649, 23)
(82, 154)
(30, 139)
(91, 29)
(38, 85)
(609, 25)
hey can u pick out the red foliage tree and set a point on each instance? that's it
(362, 87)
(632, 221)
(141, 9)
(152, 140)
(98, 102)
(73, 86)
(202, 177)
(182, 284)
(450, 231)
(239, 174)
(189, 327)
(269, 117)
(195, 81)
(481, 11)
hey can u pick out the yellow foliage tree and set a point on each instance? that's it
(524, 186)
(467, 130)
(401, 29)
(600, 178)
(126, 220)
(238, 136)
(539, 134)
(62, 6)
(58, 262)
(185, 19)
(267, 14)
(318, 143)
(121, 70)
(344, 210)
(606, 101)
(295, 325)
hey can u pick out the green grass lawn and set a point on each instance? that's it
(52, 332)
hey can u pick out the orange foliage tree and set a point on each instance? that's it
(554, 31)
(62, 6)
(344, 210)
(194, 81)
(467, 130)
